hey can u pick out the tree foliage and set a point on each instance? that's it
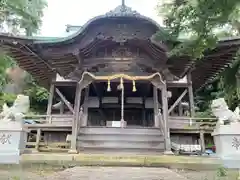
(5, 62)
(17, 16)
(38, 95)
(200, 21)
(20, 17)
(199, 24)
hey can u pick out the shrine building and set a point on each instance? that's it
(113, 87)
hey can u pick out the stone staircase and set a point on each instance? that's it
(120, 140)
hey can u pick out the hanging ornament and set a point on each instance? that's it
(108, 87)
(134, 86)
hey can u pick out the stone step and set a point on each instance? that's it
(126, 131)
(120, 145)
(121, 137)
(122, 151)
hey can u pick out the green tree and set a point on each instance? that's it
(201, 23)
(5, 62)
(20, 17)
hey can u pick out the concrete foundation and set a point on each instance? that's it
(13, 138)
(227, 140)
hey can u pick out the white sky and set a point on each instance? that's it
(59, 13)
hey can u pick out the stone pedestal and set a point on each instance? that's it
(227, 140)
(13, 138)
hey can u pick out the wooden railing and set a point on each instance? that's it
(47, 122)
(58, 121)
(192, 123)
(48, 147)
(187, 123)
(208, 119)
(50, 119)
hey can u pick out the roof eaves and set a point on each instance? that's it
(34, 39)
(118, 12)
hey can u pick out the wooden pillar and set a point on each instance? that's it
(85, 107)
(144, 123)
(38, 139)
(165, 119)
(180, 109)
(62, 107)
(191, 97)
(122, 106)
(155, 102)
(50, 102)
(73, 148)
(202, 141)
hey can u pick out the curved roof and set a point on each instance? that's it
(120, 12)
(30, 52)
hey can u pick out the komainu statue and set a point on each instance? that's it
(20, 107)
(223, 113)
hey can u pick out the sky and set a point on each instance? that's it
(59, 13)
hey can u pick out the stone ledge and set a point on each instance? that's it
(39, 157)
(182, 162)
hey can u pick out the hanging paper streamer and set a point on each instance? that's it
(121, 83)
(134, 86)
(108, 87)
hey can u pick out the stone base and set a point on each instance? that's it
(34, 151)
(227, 140)
(10, 157)
(13, 139)
(72, 151)
(168, 153)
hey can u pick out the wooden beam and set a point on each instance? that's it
(119, 60)
(177, 101)
(65, 100)
(65, 83)
(177, 84)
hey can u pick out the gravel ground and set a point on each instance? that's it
(111, 173)
(208, 175)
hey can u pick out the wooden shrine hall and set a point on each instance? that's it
(113, 86)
